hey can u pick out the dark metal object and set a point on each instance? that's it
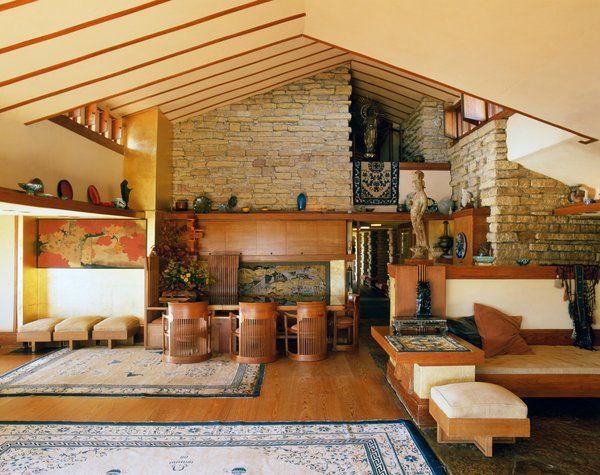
(421, 326)
(125, 192)
(423, 299)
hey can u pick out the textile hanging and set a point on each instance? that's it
(375, 183)
(580, 282)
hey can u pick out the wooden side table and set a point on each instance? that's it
(413, 374)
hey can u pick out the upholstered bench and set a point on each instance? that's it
(116, 328)
(75, 329)
(39, 331)
(477, 413)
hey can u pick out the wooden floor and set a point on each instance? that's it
(346, 386)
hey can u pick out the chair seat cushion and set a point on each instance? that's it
(478, 401)
(41, 325)
(117, 324)
(78, 324)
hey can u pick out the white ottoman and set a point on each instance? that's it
(116, 328)
(478, 413)
(38, 331)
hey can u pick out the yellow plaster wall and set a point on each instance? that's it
(337, 282)
(52, 153)
(8, 260)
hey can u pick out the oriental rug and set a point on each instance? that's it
(293, 448)
(425, 343)
(375, 183)
(130, 371)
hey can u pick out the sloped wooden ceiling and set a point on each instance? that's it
(189, 56)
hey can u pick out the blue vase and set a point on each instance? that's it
(301, 201)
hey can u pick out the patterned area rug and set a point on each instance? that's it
(425, 343)
(294, 448)
(130, 371)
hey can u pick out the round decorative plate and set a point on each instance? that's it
(65, 190)
(93, 195)
(461, 246)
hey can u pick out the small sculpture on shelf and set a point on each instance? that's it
(125, 192)
(466, 199)
(423, 309)
(576, 194)
(418, 207)
(445, 241)
(301, 201)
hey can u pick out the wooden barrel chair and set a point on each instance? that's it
(186, 333)
(310, 331)
(254, 333)
(347, 321)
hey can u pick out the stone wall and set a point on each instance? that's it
(423, 133)
(521, 223)
(270, 147)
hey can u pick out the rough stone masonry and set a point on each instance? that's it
(268, 148)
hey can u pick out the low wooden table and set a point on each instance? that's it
(413, 373)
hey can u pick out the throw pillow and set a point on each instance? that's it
(499, 332)
(465, 328)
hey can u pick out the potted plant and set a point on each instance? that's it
(184, 281)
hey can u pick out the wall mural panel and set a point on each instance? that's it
(285, 283)
(91, 243)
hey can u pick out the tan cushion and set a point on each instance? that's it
(546, 359)
(499, 332)
(41, 325)
(78, 324)
(478, 401)
(117, 324)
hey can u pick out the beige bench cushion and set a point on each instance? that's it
(478, 401)
(78, 324)
(545, 359)
(117, 324)
(41, 325)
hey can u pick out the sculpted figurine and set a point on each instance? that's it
(417, 210)
(466, 199)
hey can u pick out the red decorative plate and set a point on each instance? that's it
(93, 195)
(65, 190)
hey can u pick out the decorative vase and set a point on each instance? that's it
(202, 204)
(181, 205)
(301, 202)
(445, 241)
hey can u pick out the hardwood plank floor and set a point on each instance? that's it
(346, 386)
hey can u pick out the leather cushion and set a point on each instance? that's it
(78, 324)
(499, 332)
(478, 401)
(465, 328)
(117, 324)
(41, 325)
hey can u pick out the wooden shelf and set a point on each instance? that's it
(425, 166)
(483, 211)
(374, 217)
(501, 272)
(580, 209)
(16, 197)
(292, 258)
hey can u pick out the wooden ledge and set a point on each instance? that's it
(376, 217)
(592, 209)
(500, 272)
(23, 199)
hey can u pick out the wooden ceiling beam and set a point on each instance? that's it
(224, 72)
(246, 85)
(257, 91)
(14, 4)
(167, 78)
(386, 89)
(140, 39)
(381, 78)
(153, 61)
(81, 26)
(383, 98)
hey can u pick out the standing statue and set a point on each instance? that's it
(369, 116)
(417, 210)
(125, 192)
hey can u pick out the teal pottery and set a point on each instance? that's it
(202, 204)
(301, 202)
(523, 261)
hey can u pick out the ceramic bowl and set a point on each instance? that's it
(245, 210)
(484, 259)
(31, 188)
(523, 261)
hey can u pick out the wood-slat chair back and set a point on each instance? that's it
(186, 332)
(310, 331)
(256, 334)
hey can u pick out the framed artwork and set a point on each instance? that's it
(91, 243)
(375, 183)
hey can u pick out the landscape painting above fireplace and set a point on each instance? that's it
(284, 283)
